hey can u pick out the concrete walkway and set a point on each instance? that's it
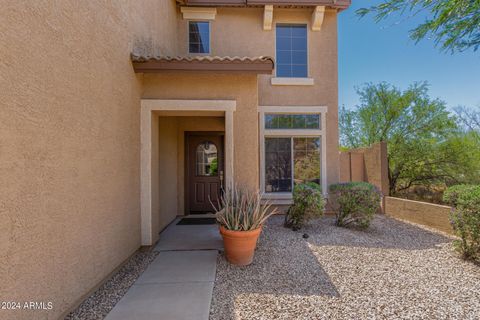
(178, 285)
(190, 237)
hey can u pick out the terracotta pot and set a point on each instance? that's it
(240, 245)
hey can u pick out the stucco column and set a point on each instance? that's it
(229, 149)
(146, 175)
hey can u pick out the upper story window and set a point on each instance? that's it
(199, 37)
(292, 54)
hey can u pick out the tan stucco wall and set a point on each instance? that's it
(242, 88)
(369, 164)
(168, 165)
(344, 167)
(69, 144)
(239, 32)
(427, 214)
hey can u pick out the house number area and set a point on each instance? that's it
(26, 305)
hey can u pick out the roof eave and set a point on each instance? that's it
(336, 4)
(159, 66)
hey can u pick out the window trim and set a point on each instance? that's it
(298, 81)
(286, 197)
(209, 38)
(276, 81)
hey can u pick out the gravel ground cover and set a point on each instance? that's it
(102, 301)
(394, 270)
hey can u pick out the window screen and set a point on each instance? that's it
(289, 161)
(199, 37)
(278, 165)
(306, 160)
(292, 51)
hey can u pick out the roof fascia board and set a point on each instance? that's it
(338, 4)
(180, 66)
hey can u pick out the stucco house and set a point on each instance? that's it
(116, 117)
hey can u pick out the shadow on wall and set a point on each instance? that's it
(285, 264)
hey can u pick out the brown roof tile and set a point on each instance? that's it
(157, 63)
(237, 59)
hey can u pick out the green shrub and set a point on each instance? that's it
(354, 203)
(465, 218)
(308, 203)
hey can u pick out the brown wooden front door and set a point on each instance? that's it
(204, 170)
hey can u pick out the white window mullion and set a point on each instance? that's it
(293, 110)
(292, 163)
(293, 132)
(323, 169)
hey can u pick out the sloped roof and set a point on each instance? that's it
(157, 63)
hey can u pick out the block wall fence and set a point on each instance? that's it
(370, 164)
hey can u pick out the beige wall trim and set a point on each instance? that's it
(317, 18)
(293, 109)
(322, 133)
(277, 201)
(280, 198)
(276, 81)
(229, 148)
(189, 105)
(148, 106)
(197, 13)
(268, 18)
(146, 176)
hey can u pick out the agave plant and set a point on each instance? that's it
(239, 209)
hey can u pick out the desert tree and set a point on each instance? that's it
(453, 24)
(424, 145)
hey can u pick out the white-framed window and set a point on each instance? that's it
(199, 37)
(292, 149)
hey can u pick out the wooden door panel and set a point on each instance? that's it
(199, 193)
(214, 192)
(204, 169)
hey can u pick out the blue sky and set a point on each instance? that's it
(370, 52)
